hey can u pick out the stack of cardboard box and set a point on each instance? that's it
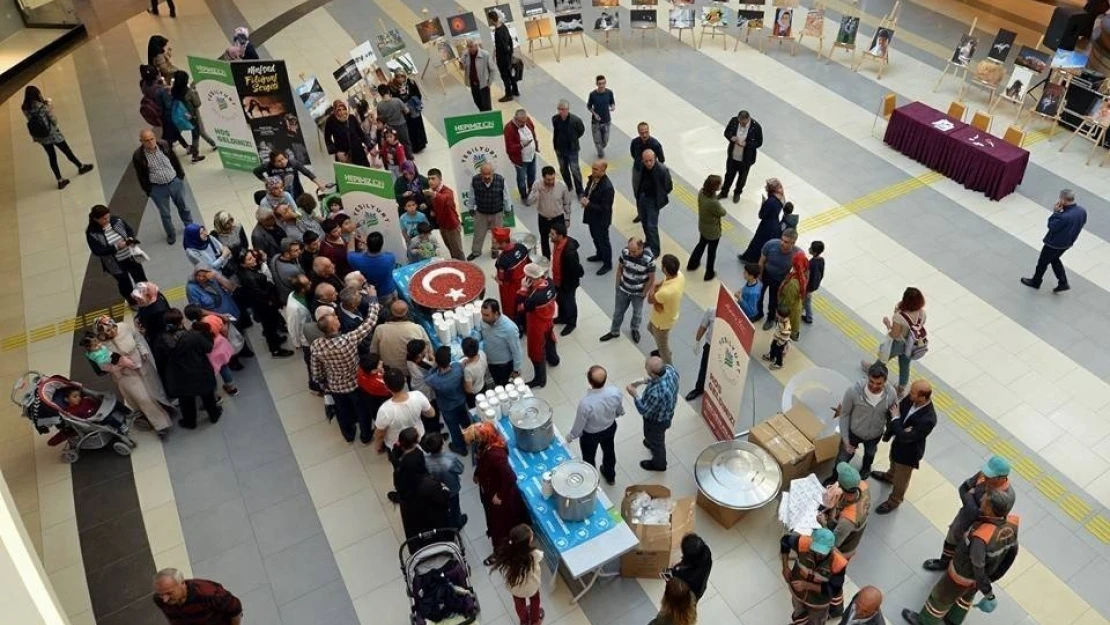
(794, 439)
(657, 541)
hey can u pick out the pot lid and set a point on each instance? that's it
(737, 474)
(574, 479)
(530, 413)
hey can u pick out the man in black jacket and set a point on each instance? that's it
(745, 137)
(652, 184)
(162, 178)
(503, 54)
(916, 420)
(566, 274)
(597, 213)
(567, 128)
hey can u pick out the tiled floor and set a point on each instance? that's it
(275, 505)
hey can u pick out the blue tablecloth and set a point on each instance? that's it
(402, 276)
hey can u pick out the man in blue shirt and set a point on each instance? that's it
(502, 343)
(656, 405)
(601, 104)
(376, 266)
(447, 381)
(1064, 225)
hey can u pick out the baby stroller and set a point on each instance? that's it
(437, 579)
(43, 402)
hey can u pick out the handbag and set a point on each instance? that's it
(236, 338)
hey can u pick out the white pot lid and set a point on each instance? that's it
(574, 479)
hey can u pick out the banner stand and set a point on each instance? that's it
(727, 371)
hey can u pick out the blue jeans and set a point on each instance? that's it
(622, 301)
(807, 306)
(525, 178)
(649, 219)
(898, 348)
(600, 131)
(161, 194)
(569, 169)
(225, 374)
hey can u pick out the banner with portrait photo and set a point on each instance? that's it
(266, 96)
(367, 196)
(223, 119)
(474, 140)
(727, 373)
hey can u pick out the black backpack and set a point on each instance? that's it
(38, 126)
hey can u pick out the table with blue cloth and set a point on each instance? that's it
(402, 276)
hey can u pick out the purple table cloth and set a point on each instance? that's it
(983, 162)
(922, 133)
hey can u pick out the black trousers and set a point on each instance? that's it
(695, 256)
(52, 156)
(169, 3)
(771, 290)
(545, 232)
(501, 373)
(600, 235)
(589, 444)
(551, 357)
(271, 321)
(700, 384)
(481, 98)
(655, 435)
(1050, 256)
(735, 170)
(568, 306)
(307, 354)
(188, 406)
(505, 68)
(131, 273)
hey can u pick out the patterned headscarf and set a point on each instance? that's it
(222, 222)
(103, 325)
(799, 268)
(145, 293)
(485, 434)
(273, 182)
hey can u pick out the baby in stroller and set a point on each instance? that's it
(83, 406)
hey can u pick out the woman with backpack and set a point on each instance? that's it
(905, 336)
(156, 107)
(158, 55)
(182, 117)
(43, 128)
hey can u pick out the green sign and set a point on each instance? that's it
(222, 114)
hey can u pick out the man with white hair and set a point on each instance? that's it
(334, 366)
(189, 601)
(478, 70)
(566, 129)
(521, 146)
(539, 308)
(490, 195)
(1064, 225)
(656, 405)
(161, 177)
(349, 312)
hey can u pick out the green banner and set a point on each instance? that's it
(221, 113)
(367, 196)
(474, 140)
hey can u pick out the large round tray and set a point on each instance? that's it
(738, 475)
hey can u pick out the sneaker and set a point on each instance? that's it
(608, 336)
(770, 323)
(231, 390)
(604, 270)
(935, 564)
(1030, 283)
(766, 357)
(63, 183)
(775, 366)
(84, 169)
(635, 336)
(694, 394)
(471, 256)
(171, 239)
(1060, 288)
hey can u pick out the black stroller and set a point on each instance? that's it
(437, 579)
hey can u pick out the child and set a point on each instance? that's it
(422, 246)
(789, 219)
(748, 297)
(695, 565)
(446, 467)
(410, 219)
(393, 152)
(475, 369)
(372, 390)
(816, 274)
(221, 352)
(419, 366)
(781, 339)
(519, 563)
(104, 360)
(78, 405)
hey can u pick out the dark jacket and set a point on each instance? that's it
(1064, 226)
(663, 183)
(348, 137)
(636, 149)
(268, 242)
(695, 574)
(876, 618)
(570, 269)
(909, 433)
(142, 169)
(182, 358)
(502, 45)
(770, 214)
(150, 319)
(256, 291)
(600, 209)
(751, 144)
(98, 242)
(565, 133)
(401, 185)
(816, 273)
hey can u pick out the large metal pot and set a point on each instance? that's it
(575, 486)
(737, 475)
(532, 424)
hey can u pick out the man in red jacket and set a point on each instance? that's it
(520, 144)
(539, 309)
(445, 213)
(510, 269)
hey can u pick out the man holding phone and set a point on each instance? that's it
(1064, 225)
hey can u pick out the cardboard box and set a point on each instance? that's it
(786, 444)
(824, 447)
(657, 542)
(727, 517)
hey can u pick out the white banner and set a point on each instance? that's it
(367, 196)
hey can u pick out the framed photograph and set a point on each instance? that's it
(1033, 59)
(1021, 79)
(462, 24)
(964, 51)
(1100, 111)
(880, 43)
(815, 23)
(750, 18)
(312, 95)
(608, 20)
(642, 18)
(784, 20)
(1070, 59)
(532, 9)
(402, 62)
(538, 28)
(989, 73)
(606, 3)
(849, 28)
(505, 10)
(445, 51)
(568, 23)
(429, 30)
(1051, 99)
(1003, 42)
(568, 5)
(645, 3)
(347, 76)
(681, 18)
(390, 42)
(714, 17)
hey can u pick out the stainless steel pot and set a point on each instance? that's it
(737, 475)
(575, 485)
(532, 424)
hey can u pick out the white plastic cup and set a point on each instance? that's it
(490, 415)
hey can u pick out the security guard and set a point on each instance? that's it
(846, 516)
(993, 477)
(982, 557)
(816, 577)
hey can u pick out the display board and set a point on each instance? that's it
(474, 140)
(224, 120)
(266, 96)
(367, 196)
(727, 373)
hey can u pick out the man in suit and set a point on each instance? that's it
(478, 69)
(865, 608)
(745, 137)
(907, 434)
(503, 51)
(597, 213)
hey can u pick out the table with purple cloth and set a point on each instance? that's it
(918, 131)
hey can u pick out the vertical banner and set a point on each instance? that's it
(367, 196)
(219, 109)
(727, 372)
(473, 141)
(270, 108)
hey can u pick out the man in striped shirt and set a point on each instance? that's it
(195, 601)
(635, 279)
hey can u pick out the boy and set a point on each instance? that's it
(423, 246)
(85, 407)
(789, 219)
(372, 389)
(780, 340)
(816, 274)
(475, 369)
(748, 297)
(410, 219)
(447, 468)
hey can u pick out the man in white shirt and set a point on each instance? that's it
(552, 200)
(404, 410)
(520, 145)
(596, 422)
(296, 316)
(704, 337)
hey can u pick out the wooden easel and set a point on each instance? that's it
(748, 27)
(605, 38)
(434, 62)
(1090, 130)
(715, 30)
(542, 36)
(819, 9)
(771, 36)
(991, 89)
(1053, 120)
(891, 22)
(644, 31)
(564, 41)
(1001, 94)
(957, 69)
(670, 29)
(853, 10)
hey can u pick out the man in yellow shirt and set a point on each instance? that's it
(666, 301)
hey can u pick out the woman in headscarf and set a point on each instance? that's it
(153, 86)
(368, 120)
(424, 499)
(152, 308)
(792, 291)
(231, 236)
(501, 500)
(140, 388)
(404, 89)
(770, 215)
(344, 137)
(210, 291)
(190, 102)
(276, 195)
(411, 184)
(182, 358)
(200, 248)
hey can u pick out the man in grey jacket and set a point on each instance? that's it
(478, 69)
(864, 412)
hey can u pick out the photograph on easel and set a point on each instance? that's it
(1070, 59)
(1050, 100)
(714, 17)
(1100, 112)
(815, 23)
(681, 18)
(535, 29)
(462, 24)
(645, 3)
(964, 51)
(532, 9)
(568, 5)
(608, 20)
(1033, 59)
(849, 28)
(429, 30)
(402, 63)
(642, 18)
(1003, 43)
(880, 43)
(747, 17)
(445, 51)
(390, 42)
(606, 3)
(569, 23)
(1021, 79)
(504, 10)
(784, 21)
(989, 72)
